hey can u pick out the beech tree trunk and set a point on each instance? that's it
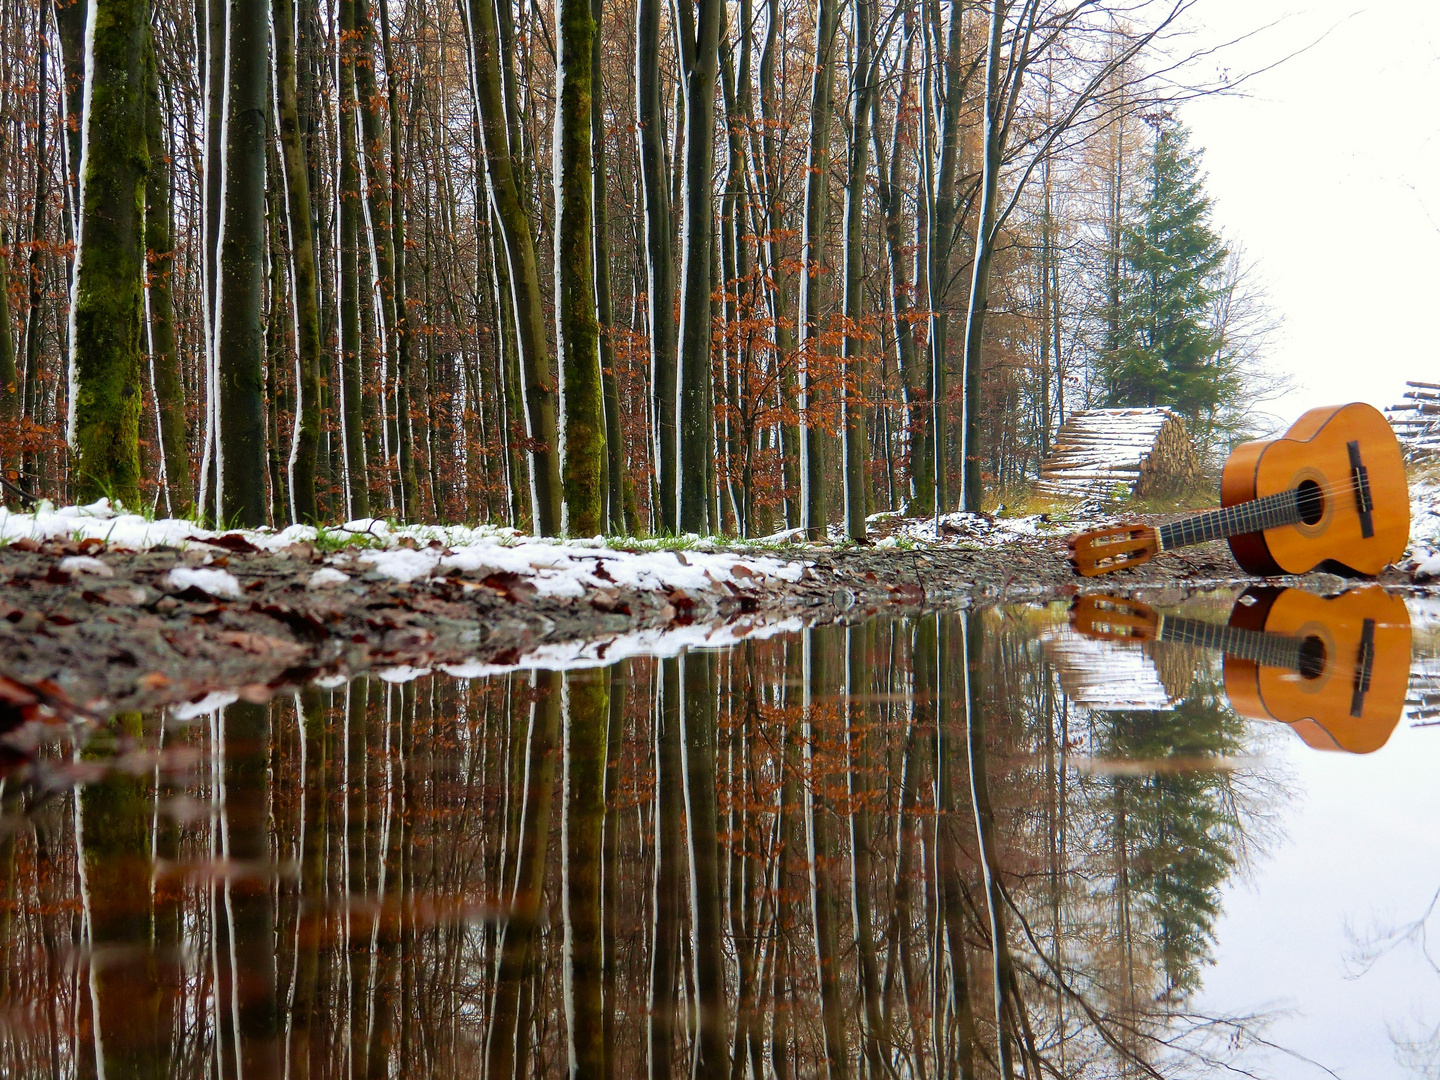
(240, 339)
(700, 58)
(351, 385)
(105, 356)
(659, 257)
(306, 442)
(615, 501)
(817, 200)
(857, 438)
(582, 436)
(529, 308)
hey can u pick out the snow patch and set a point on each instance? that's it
(325, 576)
(208, 579)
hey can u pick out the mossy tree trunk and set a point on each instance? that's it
(169, 386)
(106, 384)
(351, 387)
(114, 850)
(528, 301)
(240, 341)
(582, 433)
(659, 255)
(615, 500)
(302, 256)
(700, 63)
(586, 722)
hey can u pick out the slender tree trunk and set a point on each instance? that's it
(700, 45)
(36, 270)
(995, 128)
(587, 718)
(669, 851)
(502, 1052)
(823, 860)
(659, 257)
(817, 203)
(582, 435)
(215, 77)
(791, 439)
(160, 269)
(697, 677)
(240, 339)
(402, 332)
(9, 378)
(615, 520)
(106, 383)
(114, 852)
(859, 675)
(302, 255)
(351, 383)
(505, 190)
(857, 438)
(247, 819)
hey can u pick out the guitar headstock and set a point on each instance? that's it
(1100, 551)
(1114, 618)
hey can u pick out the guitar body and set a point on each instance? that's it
(1321, 704)
(1316, 450)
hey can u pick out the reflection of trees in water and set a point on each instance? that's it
(1416, 1038)
(866, 851)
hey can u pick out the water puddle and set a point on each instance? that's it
(1086, 839)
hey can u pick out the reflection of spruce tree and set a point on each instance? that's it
(1174, 830)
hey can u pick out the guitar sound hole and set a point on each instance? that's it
(1312, 658)
(1311, 500)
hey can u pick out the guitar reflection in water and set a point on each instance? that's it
(1336, 669)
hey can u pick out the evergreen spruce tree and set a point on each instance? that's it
(1169, 352)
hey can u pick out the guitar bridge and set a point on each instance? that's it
(1360, 478)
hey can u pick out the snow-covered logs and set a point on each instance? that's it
(1143, 451)
(1416, 420)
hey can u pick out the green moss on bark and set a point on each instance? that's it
(108, 302)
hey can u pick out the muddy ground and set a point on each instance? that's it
(122, 637)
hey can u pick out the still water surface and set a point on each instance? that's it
(1024, 841)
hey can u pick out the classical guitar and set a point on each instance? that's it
(1331, 489)
(1335, 669)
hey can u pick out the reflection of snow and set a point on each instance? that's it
(600, 652)
(1105, 676)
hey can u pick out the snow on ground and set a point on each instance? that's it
(1425, 526)
(558, 568)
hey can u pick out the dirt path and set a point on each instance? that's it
(117, 630)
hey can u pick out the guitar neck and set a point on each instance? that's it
(1271, 512)
(1266, 649)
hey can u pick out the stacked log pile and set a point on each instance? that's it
(1147, 451)
(1416, 420)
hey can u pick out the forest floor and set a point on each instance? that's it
(115, 613)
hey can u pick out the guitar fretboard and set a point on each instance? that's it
(1268, 513)
(1266, 649)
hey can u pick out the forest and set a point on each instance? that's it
(608, 267)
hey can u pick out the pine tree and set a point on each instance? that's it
(1168, 352)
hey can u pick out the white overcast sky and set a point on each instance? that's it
(1327, 170)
